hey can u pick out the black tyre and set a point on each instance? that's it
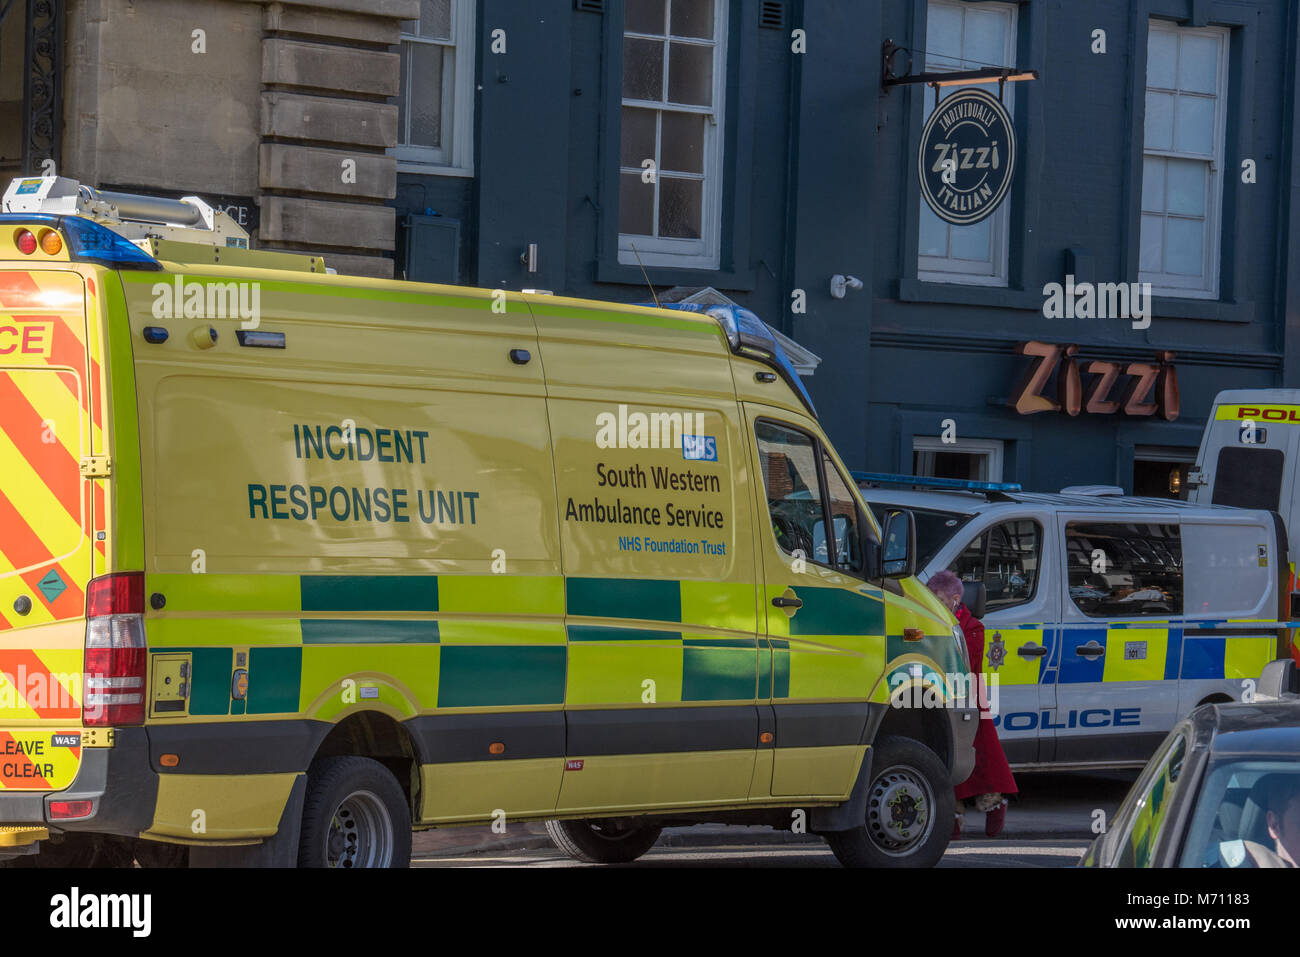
(910, 806)
(614, 841)
(355, 815)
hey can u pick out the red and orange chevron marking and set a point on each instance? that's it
(50, 417)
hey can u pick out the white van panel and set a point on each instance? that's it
(1228, 570)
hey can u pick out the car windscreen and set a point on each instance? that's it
(1231, 824)
(933, 527)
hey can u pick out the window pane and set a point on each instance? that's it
(1139, 569)
(1162, 55)
(973, 242)
(844, 518)
(1159, 132)
(1152, 257)
(690, 74)
(692, 18)
(636, 205)
(1012, 572)
(985, 41)
(680, 207)
(1195, 125)
(934, 233)
(425, 94)
(643, 69)
(683, 142)
(435, 19)
(1153, 183)
(638, 136)
(1198, 63)
(1184, 246)
(1187, 187)
(793, 494)
(942, 37)
(969, 565)
(645, 16)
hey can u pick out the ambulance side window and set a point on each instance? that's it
(1006, 558)
(1119, 570)
(799, 510)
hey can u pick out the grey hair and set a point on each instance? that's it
(945, 584)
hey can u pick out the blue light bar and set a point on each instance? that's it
(924, 481)
(749, 336)
(88, 241)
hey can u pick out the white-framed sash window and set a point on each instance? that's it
(435, 109)
(967, 36)
(671, 132)
(1182, 159)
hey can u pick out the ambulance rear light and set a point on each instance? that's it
(115, 655)
(25, 240)
(70, 810)
(120, 594)
(87, 241)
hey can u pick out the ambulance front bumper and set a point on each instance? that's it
(118, 781)
(963, 723)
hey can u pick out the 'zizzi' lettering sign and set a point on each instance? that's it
(966, 157)
(1150, 388)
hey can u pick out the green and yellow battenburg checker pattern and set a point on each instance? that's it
(428, 642)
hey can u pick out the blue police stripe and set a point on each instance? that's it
(1203, 657)
(1173, 653)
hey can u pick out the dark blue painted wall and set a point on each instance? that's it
(821, 180)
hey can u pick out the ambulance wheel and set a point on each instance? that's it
(355, 815)
(614, 841)
(909, 810)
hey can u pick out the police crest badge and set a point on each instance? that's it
(997, 651)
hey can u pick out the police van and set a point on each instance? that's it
(1107, 618)
(1247, 458)
(292, 564)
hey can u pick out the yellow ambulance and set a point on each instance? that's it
(293, 564)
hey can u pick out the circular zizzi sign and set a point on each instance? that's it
(966, 157)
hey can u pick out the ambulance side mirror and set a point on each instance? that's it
(899, 545)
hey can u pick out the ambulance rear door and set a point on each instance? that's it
(48, 431)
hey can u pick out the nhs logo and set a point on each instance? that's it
(700, 448)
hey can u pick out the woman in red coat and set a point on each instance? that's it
(991, 781)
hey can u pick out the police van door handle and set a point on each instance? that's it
(1090, 650)
(1031, 650)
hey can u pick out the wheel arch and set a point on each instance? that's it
(373, 734)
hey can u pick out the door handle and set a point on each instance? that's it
(1090, 650)
(780, 601)
(1031, 651)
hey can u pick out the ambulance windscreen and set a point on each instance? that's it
(1249, 478)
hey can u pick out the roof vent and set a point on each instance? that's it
(1094, 490)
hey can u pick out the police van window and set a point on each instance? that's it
(844, 520)
(795, 499)
(1006, 558)
(1249, 478)
(1120, 570)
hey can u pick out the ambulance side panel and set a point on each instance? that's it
(658, 550)
(360, 521)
